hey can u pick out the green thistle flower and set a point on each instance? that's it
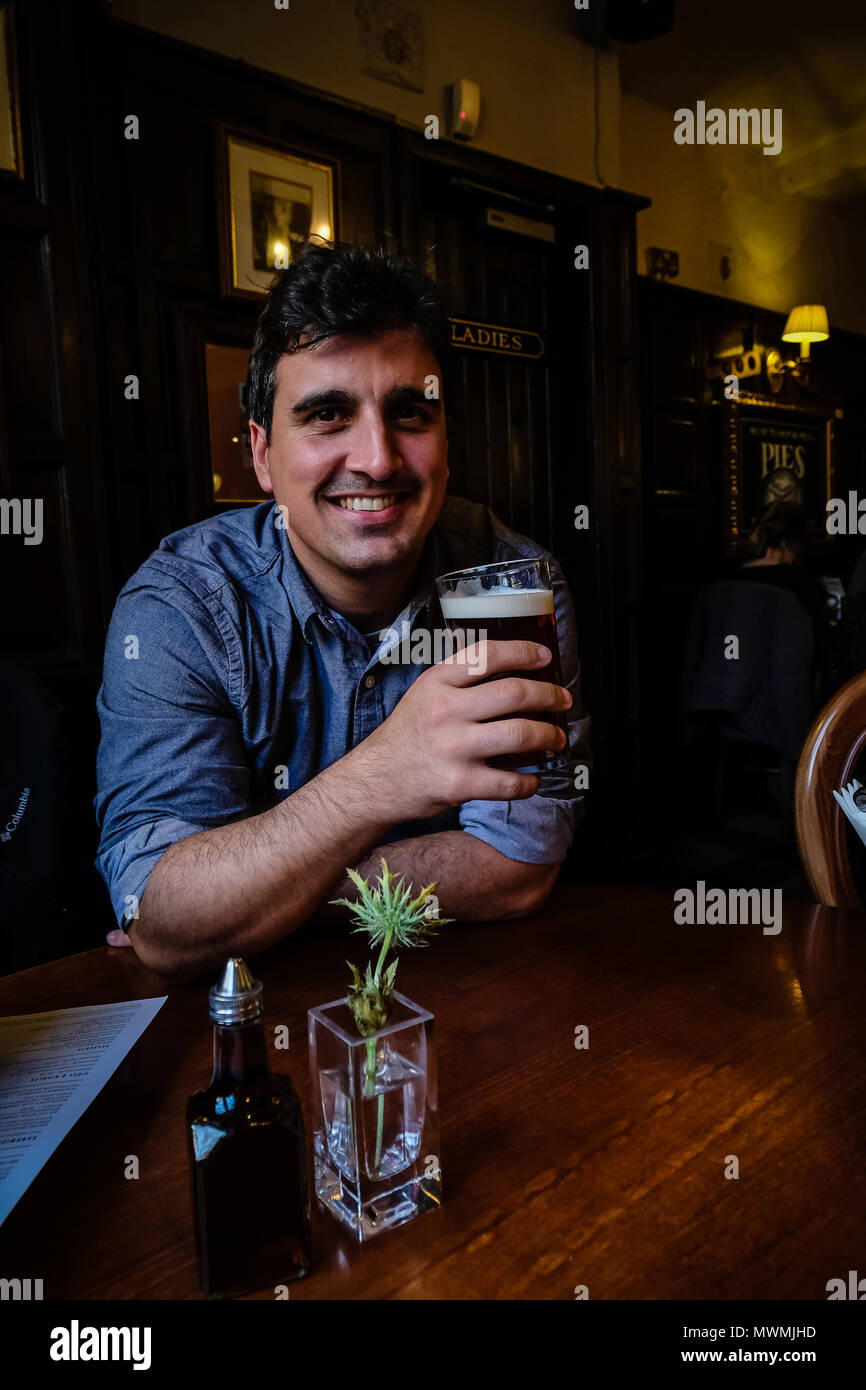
(389, 916)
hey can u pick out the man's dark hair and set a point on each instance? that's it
(340, 288)
(784, 523)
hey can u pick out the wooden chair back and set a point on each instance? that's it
(833, 745)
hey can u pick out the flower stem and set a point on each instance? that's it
(371, 1085)
(380, 1121)
(371, 1059)
(386, 946)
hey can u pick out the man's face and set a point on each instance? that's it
(358, 454)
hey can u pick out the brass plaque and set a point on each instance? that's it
(494, 337)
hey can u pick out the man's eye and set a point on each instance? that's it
(326, 415)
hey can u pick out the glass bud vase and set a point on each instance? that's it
(375, 1126)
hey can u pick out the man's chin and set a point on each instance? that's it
(359, 547)
(374, 553)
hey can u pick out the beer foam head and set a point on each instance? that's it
(497, 603)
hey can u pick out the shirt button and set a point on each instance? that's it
(369, 682)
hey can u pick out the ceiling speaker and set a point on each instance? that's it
(629, 21)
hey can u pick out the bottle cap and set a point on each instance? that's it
(238, 996)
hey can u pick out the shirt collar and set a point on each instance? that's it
(305, 600)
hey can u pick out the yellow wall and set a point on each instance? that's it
(787, 249)
(536, 78)
(538, 95)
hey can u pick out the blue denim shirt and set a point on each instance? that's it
(229, 683)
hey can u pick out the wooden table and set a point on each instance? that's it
(602, 1167)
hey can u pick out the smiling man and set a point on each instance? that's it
(254, 742)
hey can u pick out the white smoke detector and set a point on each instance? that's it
(464, 108)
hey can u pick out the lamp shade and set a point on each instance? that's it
(807, 323)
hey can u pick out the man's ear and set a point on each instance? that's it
(259, 446)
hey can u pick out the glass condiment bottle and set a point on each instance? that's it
(248, 1154)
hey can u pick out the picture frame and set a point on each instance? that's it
(774, 452)
(214, 413)
(271, 197)
(233, 478)
(11, 148)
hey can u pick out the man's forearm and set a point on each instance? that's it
(474, 882)
(240, 888)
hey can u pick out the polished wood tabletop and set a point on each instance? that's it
(562, 1166)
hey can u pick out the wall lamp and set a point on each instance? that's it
(806, 324)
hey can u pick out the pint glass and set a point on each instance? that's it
(511, 601)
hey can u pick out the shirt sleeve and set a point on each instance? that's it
(171, 759)
(540, 829)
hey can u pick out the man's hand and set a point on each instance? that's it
(118, 938)
(432, 747)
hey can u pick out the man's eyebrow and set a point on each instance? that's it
(412, 395)
(345, 400)
(320, 400)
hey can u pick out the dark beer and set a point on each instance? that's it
(513, 615)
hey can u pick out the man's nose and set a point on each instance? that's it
(374, 450)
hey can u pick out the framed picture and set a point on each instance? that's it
(11, 162)
(271, 199)
(233, 477)
(774, 454)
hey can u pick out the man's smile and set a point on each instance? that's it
(368, 507)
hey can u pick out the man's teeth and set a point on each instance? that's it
(367, 504)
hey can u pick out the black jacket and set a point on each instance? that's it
(764, 693)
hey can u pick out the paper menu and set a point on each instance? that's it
(52, 1065)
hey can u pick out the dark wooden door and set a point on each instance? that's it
(510, 443)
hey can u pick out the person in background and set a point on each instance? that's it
(777, 547)
(759, 691)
